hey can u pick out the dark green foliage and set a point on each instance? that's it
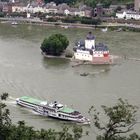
(69, 20)
(22, 132)
(91, 21)
(120, 120)
(55, 44)
(2, 14)
(105, 3)
(16, 14)
(60, 1)
(83, 20)
(5, 121)
(4, 96)
(51, 19)
(93, 3)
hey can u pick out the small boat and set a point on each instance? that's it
(14, 23)
(104, 29)
(84, 74)
(52, 109)
(65, 26)
(119, 30)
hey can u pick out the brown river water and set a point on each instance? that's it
(24, 71)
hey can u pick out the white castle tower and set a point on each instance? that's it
(90, 41)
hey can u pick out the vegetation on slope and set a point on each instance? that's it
(91, 3)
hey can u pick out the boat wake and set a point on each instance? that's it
(94, 73)
(10, 100)
(132, 58)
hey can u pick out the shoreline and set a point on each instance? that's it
(77, 62)
(68, 25)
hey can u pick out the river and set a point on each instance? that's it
(24, 71)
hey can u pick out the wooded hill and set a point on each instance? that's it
(91, 3)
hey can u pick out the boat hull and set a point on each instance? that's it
(86, 121)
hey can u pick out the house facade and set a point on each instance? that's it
(51, 7)
(5, 7)
(128, 15)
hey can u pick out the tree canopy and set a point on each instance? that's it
(92, 3)
(61, 1)
(55, 44)
(120, 119)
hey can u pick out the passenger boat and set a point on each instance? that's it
(87, 50)
(14, 23)
(104, 29)
(52, 109)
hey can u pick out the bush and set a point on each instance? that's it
(2, 14)
(55, 44)
(51, 19)
(91, 21)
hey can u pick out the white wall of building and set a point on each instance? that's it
(133, 16)
(83, 55)
(89, 44)
(121, 15)
(128, 15)
(66, 12)
(98, 54)
(17, 9)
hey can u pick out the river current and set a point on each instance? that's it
(24, 71)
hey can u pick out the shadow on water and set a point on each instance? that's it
(55, 62)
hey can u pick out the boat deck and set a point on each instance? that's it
(31, 100)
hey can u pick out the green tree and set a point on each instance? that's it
(55, 44)
(5, 121)
(105, 3)
(91, 3)
(120, 120)
(61, 1)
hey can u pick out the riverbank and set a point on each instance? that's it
(113, 60)
(36, 21)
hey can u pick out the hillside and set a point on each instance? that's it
(122, 1)
(91, 3)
